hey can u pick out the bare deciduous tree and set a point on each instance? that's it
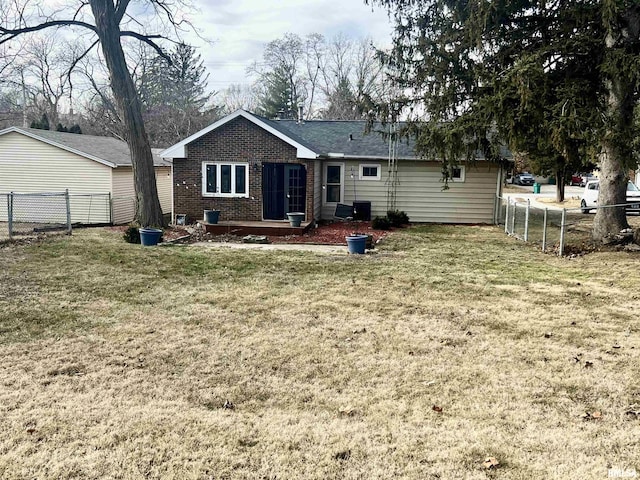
(45, 65)
(352, 78)
(239, 96)
(108, 22)
(334, 79)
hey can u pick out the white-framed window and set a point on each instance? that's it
(225, 179)
(457, 173)
(333, 182)
(369, 171)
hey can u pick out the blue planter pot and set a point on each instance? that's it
(356, 244)
(295, 218)
(211, 216)
(149, 236)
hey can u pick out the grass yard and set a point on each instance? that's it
(449, 346)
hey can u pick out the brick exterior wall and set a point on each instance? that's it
(236, 141)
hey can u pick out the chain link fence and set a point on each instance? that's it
(552, 229)
(90, 209)
(32, 213)
(29, 213)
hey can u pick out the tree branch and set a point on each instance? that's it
(86, 52)
(121, 8)
(148, 40)
(9, 34)
(82, 5)
(77, 60)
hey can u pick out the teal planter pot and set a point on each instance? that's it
(211, 216)
(149, 236)
(295, 218)
(356, 244)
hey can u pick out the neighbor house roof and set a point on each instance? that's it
(109, 151)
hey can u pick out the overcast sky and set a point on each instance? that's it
(240, 29)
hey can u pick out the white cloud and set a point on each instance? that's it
(240, 29)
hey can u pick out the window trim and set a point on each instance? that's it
(217, 193)
(369, 178)
(324, 173)
(462, 177)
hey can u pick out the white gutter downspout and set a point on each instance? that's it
(497, 203)
(173, 213)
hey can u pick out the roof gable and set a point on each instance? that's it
(304, 150)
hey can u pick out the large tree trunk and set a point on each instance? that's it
(559, 174)
(613, 191)
(617, 155)
(148, 210)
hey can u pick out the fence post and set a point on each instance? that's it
(544, 230)
(526, 221)
(68, 202)
(506, 216)
(10, 213)
(513, 217)
(110, 209)
(562, 227)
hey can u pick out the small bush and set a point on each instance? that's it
(381, 223)
(397, 218)
(131, 234)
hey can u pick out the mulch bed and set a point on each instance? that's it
(333, 233)
(169, 233)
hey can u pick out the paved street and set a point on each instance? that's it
(546, 191)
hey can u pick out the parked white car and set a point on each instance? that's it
(592, 189)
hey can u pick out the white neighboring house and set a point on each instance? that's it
(96, 170)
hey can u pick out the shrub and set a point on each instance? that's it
(397, 218)
(381, 223)
(131, 234)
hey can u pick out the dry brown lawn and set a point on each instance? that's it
(126, 362)
(569, 202)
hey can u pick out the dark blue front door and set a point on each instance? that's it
(284, 189)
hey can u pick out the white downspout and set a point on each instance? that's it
(498, 202)
(173, 213)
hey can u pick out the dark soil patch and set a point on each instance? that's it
(333, 233)
(168, 233)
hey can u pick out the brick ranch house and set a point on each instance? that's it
(255, 169)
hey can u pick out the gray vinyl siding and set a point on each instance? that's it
(374, 191)
(419, 192)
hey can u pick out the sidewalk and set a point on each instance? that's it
(327, 249)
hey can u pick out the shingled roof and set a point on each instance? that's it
(343, 137)
(319, 138)
(107, 150)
